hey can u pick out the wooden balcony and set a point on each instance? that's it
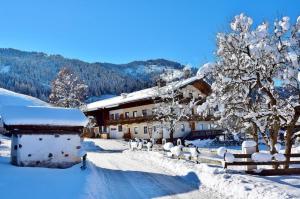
(204, 134)
(130, 120)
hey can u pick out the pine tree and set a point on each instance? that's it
(68, 90)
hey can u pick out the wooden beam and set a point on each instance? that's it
(272, 172)
(260, 163)
(295, 155)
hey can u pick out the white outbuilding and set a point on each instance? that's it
(44, 136)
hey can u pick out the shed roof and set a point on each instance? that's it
(42, 116)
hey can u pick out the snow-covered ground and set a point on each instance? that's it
(116, 172)
(231, 184)
(36, 183)
(9, 98)
(122, 176)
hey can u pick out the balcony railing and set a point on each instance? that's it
(123, 120)
(204, 134)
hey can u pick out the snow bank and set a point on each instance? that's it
(38, 115)
(232, 185)
(9, 98)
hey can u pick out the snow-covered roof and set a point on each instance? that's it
(42, 116)
(11, 98)
(148, 93)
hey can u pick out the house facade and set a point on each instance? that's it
(132, 115)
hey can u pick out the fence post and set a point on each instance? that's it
(249, 147)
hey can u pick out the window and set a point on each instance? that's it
(120, 128)
(134, 113)
(191, 95)
(117, 116)
(126, 115)
(203, 126)
(136, 130)
(154, 129)
(145, 129)
(182, 128)
(153, 111)
(144, 112)
(112, 116)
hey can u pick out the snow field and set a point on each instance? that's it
(231, 184)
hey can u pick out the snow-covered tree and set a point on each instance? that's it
(170, 106)
(68, 90)
(249, 62)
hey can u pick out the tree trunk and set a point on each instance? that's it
(288, 138)
(288, 145)
(255, 135)
(172, 135)
(274, 135)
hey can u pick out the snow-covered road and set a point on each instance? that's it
(122, 177)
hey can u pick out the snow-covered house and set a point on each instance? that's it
(44, 136)
(132, 113)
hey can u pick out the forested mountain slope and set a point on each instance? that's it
(31, 73)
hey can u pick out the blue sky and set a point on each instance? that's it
(121, 31)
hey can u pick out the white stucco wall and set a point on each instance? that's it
(114, 132)
(46, 150)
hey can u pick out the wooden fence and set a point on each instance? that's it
(268, 172)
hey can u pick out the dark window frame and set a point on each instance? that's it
(145, 129)
(126, 115)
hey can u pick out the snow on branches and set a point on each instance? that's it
(68, 90)
(170, 106)
(251, 63)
